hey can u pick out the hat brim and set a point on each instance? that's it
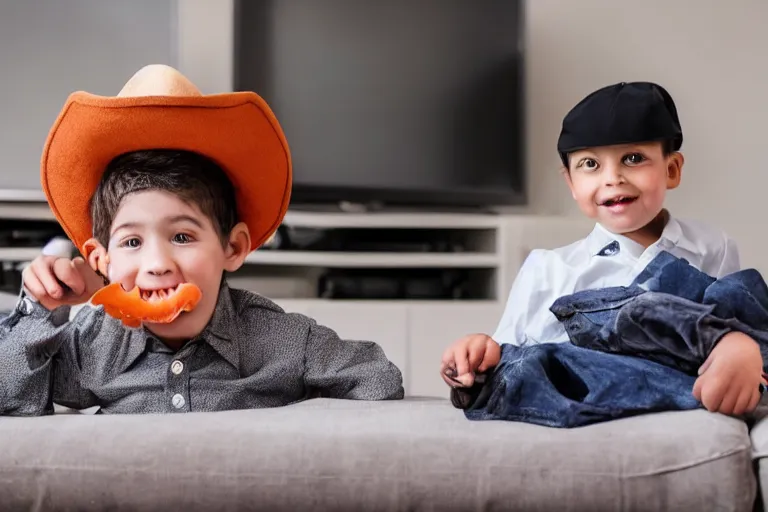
(238, 131)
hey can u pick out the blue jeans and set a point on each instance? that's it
(562, 385)
(633, 350)
(672, 313)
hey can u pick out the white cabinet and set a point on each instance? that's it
(432, 328)
(412, 334)
(7, 301)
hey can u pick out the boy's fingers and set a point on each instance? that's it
(697, 389)
(742, 404)
(447, 362)
(461, 360)
(464, 373)
(91, 280)
(706, 365)
(448, 380)
(492, 355)
(712, 396)
(449, 372)
(754, 400)
(33, 285)
(42, 268)
(446, 366)
(447, 359)
(466, 380)
(476, 352)
(728, 405)
(67, 273)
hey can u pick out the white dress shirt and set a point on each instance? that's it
(600, 260)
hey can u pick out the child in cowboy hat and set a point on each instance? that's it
(163, 187)
(620, 152)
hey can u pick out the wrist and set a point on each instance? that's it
(740, 351)
(735, 339)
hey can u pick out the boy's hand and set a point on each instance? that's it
(729, 380)
(55, 281)
(470, 354)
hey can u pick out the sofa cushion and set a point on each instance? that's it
(759, 434)
(415, 454)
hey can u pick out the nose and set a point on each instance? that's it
(157, 260)
(612, 175)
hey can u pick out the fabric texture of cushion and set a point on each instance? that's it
(414, 454)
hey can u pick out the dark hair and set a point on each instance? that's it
(668, 147)
(192, 177)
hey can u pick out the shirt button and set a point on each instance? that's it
(177, 367)
(178, 401)
(27, 306)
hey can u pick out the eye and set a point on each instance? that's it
(131, 243)
(634, 159)
(182, 238)
(587, 164)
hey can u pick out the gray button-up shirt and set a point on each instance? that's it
(252, 354)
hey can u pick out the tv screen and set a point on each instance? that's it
(400, 102)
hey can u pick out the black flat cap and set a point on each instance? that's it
(624, 113)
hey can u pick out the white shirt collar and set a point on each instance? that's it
(671, 236)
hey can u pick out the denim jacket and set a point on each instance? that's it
(562, 385)
(672, 313)
(634, 349)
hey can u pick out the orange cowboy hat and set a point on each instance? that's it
(159, 108)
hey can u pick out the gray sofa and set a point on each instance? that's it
(415, 454)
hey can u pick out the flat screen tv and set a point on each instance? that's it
(396, 102)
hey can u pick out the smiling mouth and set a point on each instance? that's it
(619, 200)
(158, 294)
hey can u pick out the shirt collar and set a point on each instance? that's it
(598, 239)
(217, 333)
(671, 236)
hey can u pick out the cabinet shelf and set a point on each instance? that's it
(372, 260)
(19, 254)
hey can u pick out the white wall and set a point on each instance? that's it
(206, 42)
(51, 48)
(711, 55)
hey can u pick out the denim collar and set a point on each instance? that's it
(216, 334)
(672, 236)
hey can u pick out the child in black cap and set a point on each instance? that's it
(620, 152)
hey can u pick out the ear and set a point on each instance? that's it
(238, 247)
(674, 170)
(567, 175)
(96, 255)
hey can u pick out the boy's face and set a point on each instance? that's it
(623, 187)
(157, 241)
